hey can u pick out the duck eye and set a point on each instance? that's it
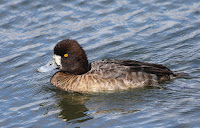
(65, 55)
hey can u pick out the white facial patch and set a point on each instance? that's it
(57, 59)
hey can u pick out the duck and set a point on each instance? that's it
(76, 74)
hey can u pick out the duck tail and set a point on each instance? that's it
(181, 75)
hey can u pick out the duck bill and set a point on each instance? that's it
(51, 65)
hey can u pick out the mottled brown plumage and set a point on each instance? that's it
(110, 75)
(103, 75)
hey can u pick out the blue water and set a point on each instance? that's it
(155, 31)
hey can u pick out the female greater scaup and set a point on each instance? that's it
(103, 75)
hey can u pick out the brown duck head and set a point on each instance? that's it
(69, 57)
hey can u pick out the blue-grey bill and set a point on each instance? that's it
(48, 67)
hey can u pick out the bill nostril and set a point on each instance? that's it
(37, 70)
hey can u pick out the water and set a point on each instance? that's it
(156, 31)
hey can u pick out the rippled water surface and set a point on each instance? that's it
(156, 31)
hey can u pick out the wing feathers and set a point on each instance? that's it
(120, 67)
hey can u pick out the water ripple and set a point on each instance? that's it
(157, 31)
